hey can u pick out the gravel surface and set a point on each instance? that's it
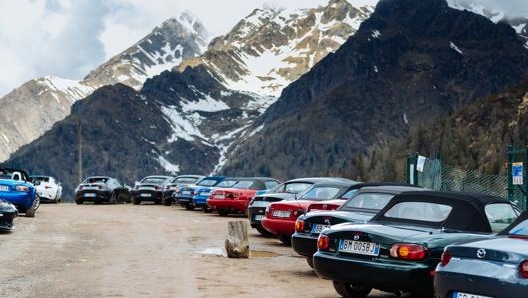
(71, 250)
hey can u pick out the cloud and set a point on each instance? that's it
(511, 8)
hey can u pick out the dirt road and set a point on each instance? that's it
(71, 250)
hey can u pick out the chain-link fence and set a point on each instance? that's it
(432, 173)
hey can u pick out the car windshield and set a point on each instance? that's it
(500, 215)
(320, 193)
(291, 187)
(226, 183)
(367, 200)
(154, 180)
(208, 182)
(521, 229)
(186, 180)
(245, 184)
(422, 211)
(40, 178)
(95, 180)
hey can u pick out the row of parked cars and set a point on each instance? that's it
(22, 193)
(388, 236)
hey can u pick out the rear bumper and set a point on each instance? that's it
(304, 244)
(409, 276)
(284, 227)
(22, 200)
(147, 195)
(229, 205)
(255, 215)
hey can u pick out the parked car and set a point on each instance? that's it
(177, 182)
(16, 187)
(203, 190)
(150, 189)
(49, 189)
(8, 212)
(235, 199)
(398, 250)
(102, 189)
(281, 216)
(287, 190)
(184, 194)
(494, 267)
(365, 200)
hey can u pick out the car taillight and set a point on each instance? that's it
(445, 258)
(231, 195)
(299, 225)
(323, 242)
(157, 187)
(298, 213)
(408, 251)
(22, 188)
(523, 269)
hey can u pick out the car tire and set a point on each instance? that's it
(189, 207)
(113, 198)
(206, 209)
(309, 260)
(263, 231)
(351, 291)
(79, 202)
(286, 240)
(136, 201)
(30, 212)
(222, 212)
(167, 201)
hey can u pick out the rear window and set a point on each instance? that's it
(368, 201)
(321, 193)
(270, 184)
(500, 215)
(226, 183)
(185, 180)
(207, 182)
(43, 179)
(422, 211)
(154, 180)
(292, 187)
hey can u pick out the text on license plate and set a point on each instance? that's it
(468, 295)
(89, 195)
(359, 247)
(4, 188)
(281, 213)
(259, 217)
(144, 194)
(317, 228)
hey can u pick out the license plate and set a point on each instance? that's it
(145, 194)
(205, 193)
(468, 295)
(186, 192)
(317, 228)
(259, 217)
(359, 247)
(281, 213)
(89, 195)
(4, 188)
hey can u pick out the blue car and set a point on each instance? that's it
(17, 189)
(493, 267)
(203, 189)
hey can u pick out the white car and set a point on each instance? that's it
(48, 188)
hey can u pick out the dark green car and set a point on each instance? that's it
(399, 249)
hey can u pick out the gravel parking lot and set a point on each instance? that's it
(71, 250)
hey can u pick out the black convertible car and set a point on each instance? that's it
(8, 212)
(359, 208)
(398, 250)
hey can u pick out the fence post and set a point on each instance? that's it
(411, 169)
(511, 152)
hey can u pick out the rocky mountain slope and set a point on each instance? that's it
(410, 63)
(31, 109)
(192, 116)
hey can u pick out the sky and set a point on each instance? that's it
(69, 38)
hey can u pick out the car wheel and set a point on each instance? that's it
(263, 231)
(189, 207)
(351, 291)
(206, 209)
(222, 212)
(79, 202)
(30, 212)
(286, 240)
(113, 198)
(309, 260)
(136, 201)
(167, 201)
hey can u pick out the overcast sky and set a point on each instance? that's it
(68, 38)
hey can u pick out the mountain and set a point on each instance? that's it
(272, 47)
(31, 109)
(186, 120)
(410, 63)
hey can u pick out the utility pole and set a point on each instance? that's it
(79, 149)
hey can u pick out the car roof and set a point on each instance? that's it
(387, 188)
(385, 184)
(467, 208)
(316, 179)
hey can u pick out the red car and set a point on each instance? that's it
(281, 216)
(235, 199)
